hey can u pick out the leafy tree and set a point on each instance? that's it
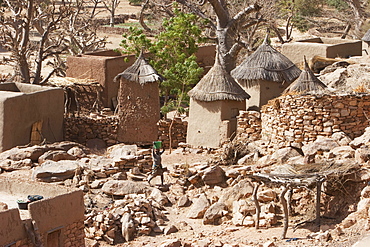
(172, 54)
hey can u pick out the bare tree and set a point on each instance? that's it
(111, 6)
(37, 30)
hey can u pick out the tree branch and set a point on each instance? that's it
(197, 11)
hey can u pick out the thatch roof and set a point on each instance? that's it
(306, 82)
(366, 37)
(141, 71)
(217, 84)
(266, 64)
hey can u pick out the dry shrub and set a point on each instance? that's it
(361, 89)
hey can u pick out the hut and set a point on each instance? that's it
(138, 103)
(215, 103)
(265, 74)
(306, 82)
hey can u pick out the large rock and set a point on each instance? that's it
(214, 175)
(343, 152)
(123, 187)
(361, 140)
(159, 197)
(239, 210)
(121, 151)
(321, 144)
(362, 154)
(214, 213)
(11, 165)
(55, 155)
(284, 154)
(197, 210)
(18, 153)
(51, 171)
(241, 190)
(128, 227)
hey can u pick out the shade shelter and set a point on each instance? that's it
(306, 82)
(138, 103)
(265, 74)
(215, 103)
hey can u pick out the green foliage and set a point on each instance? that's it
(172, 54)
(340, 5)
(297, 10)
(135, 2)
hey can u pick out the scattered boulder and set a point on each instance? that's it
(159, 197)
(123, 187)
(361, 140)
(55, 155)
(128, 227)
(171, 243)
(214, 213)
(170, 229)
(199, 207)
(52, 171)
(214, 175)
(242, 189)
(284, 154)
(321, 144)
(362, 154)
(183, 201)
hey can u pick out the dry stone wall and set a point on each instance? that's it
(178, 132)
(75, 235)
(296, 120)
(81, 129)
(249, 125)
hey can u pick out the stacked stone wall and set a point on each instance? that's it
(81, 129)
(178, 132)
(249, 125)
(296, 120)
(75, 234)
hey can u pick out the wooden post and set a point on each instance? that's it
(318, 196)
(285, 209)
(258, 208)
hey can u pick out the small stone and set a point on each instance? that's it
(170, 229)
(183, 201)
(269, 244)
(171, 243)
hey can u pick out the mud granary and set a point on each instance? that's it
(55, 221)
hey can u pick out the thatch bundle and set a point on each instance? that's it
(217, 84)
(366, 37)
(266, 64)
(141, 71)
(306, 82)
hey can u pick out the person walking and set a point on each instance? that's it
(157, 169)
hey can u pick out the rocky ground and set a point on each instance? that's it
(207, 196)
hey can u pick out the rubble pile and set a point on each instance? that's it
(134, 215)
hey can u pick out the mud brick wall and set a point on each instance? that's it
(178, 132)
(81, 129)
(297, 120)
(249, 125)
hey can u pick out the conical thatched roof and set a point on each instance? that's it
(217, 84)
(306, 82)
(366, 37)
(141, 71)
(267, 64)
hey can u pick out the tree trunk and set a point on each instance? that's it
(112, 13)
